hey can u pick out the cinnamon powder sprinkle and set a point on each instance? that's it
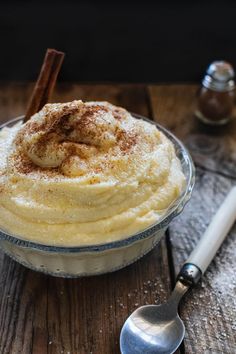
(71, 128)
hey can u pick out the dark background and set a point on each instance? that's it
(121, 41)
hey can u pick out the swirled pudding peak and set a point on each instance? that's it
(67, 135)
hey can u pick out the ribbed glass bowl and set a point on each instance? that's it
(101, 258)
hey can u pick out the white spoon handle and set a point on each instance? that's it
(215, 234)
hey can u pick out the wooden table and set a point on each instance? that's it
(42, 314)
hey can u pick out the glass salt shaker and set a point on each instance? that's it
(216, 96)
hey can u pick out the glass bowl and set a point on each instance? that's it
(101, 258)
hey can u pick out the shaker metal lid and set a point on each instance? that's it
(219, 76)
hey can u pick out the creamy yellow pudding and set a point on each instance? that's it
(85, 173)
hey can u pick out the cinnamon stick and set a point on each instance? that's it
(45, 83)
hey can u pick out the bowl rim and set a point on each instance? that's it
(172, 212)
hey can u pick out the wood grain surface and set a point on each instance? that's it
(42, 314)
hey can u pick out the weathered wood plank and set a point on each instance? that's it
(41, 314)
(209, 310)
(14, 96)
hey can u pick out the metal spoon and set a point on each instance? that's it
(158, 329)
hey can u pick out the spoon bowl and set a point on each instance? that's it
(152, 329)
(155, 329)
